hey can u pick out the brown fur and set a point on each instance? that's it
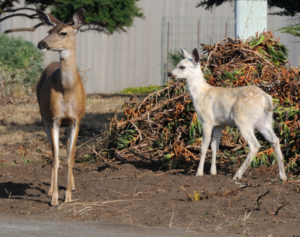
(61, 97)
(50, 92)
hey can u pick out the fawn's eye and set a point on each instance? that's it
(182, 67)
(63, 33)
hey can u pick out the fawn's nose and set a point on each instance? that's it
(170, 74)
(42, 45)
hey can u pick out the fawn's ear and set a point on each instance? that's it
(79, 18)
(196, 57)
(186, 54)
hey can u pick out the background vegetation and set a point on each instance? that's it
(287, 8)
(20, 65)
(101, 15)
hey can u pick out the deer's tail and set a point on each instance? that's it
(269, 103)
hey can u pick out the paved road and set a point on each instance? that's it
(16, 226)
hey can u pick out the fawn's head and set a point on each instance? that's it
(187, 66)
(62, 36)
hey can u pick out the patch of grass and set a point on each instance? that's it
(140, 90)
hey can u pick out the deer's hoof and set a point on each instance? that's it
(283, 177)
(54, 201)
(213, 172)
(237, 177)
(68, 197)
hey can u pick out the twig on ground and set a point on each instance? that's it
(258, 199)
(190, 198)
(277, 210)
(108, 162)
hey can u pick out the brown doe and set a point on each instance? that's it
(61, 95)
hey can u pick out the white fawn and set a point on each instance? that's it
(246, 107)
(61, 95)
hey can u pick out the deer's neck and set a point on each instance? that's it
(68, 68)
(197, 85)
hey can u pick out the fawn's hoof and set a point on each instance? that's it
(213, 172)
(283, 177)
(237, 177)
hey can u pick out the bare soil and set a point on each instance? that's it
(136, 194)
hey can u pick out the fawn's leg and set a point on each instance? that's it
(206, 137)
(216, 137)
(71, 155)
(268, 133)
(248, 134)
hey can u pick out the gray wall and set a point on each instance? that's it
(139, 57)
(292, 42)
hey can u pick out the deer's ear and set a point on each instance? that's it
(196, 57)
(48, 19)
(185, 54)
(79, 18)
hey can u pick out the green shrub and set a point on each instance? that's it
(20, 63)
(101, 15)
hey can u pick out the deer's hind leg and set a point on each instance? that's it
(267, 131)
(248, 133)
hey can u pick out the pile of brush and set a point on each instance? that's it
(261, 60)
(163, 128)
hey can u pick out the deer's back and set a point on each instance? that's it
(226, 105)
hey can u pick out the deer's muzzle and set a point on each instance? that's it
(42, 45)
(170, 75)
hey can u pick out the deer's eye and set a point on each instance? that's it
(63, 33)
(182, 67)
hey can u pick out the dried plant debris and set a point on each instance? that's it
(163, 128)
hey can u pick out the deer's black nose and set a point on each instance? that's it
(42, 45)
(170, 74)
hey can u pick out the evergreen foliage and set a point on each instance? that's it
(288, 8)
(101, 15)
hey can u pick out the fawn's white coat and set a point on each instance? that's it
(248, 107)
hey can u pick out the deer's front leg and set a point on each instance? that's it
(206, 137)
(54, 131)
(71, 156)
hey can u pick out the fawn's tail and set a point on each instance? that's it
(269, 103)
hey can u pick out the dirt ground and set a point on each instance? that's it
(136, 194)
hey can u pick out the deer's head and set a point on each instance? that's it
(188, 66)
(62, 36)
